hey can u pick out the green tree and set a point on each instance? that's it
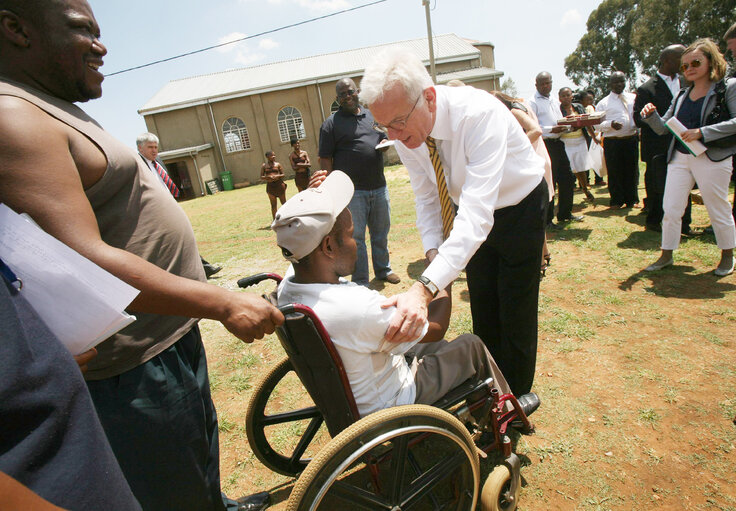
(605, 47)
(628, 36)
(508, 86)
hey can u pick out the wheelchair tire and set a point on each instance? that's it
(450, 478)
(495, 496)
(256, 422)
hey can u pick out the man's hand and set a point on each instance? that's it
(250, 317)
(317, 177)
(616, 125)
(431, 254)
(558, 129)
(408, 321)
(83, 359)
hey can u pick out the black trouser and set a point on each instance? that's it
(622, 161)
(563, 178)
(503, 282)
(657, 173)
(162, 426)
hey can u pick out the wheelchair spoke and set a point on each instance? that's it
(398, 462)
(280, 418)
(426, 483)
(307, 437)
(358, 496)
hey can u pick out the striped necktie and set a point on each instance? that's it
(448, 207)
(167, 180)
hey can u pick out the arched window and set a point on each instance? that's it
(334, 107)
(235, 134)
(290, 124)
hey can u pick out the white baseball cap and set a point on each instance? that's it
(305, 219)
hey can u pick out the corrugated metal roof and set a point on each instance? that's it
(469, 75)
(293, 73)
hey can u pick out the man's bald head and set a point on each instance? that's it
(52, 46)
(617, 82)
(669, 59)
(543, 83)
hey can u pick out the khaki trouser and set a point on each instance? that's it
(439, 367)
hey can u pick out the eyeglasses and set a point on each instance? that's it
(346, 93)
(695, 63)
(400, 124)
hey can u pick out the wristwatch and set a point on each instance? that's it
(431, 286)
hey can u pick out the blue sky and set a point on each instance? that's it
(529, 36)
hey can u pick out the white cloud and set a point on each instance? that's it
(234, 36)
(571, 17)
(247, 58)
(267, 44)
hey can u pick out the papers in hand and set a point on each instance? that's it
(81, 303)
(696, 147)
(385, 143)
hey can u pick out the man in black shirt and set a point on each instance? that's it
(347, 141)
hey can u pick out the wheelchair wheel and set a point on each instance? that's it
(409, 457)
(495, 494)
(282, 424)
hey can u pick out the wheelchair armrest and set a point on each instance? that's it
(258, 277)
(462, 391)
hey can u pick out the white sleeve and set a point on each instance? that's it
(605, 126)
(485, 137)
(427, 200)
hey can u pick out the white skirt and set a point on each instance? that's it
(577, 153)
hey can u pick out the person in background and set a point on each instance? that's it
(300, 165)
(659, 90)
(147, 144)
(730, 38)
(272, 173)
(621, 146)
(577, 141)
(348, 141)
(587, 99)
(707, 108)
(547, 110)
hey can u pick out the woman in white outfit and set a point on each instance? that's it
(704, 109)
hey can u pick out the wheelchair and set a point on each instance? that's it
(401, 458)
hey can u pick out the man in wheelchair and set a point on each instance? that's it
(314, 231)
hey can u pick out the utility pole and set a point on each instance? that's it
(425, 3)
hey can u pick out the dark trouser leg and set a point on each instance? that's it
(611, 151)
(503, 282)
(630, 168)
(562, 176)
(687, 216)
(162, 426)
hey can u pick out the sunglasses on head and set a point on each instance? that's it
(695, 63)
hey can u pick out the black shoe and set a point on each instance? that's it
(553, 227)
(210, 270)
(255, 502)
(529, 403)
(688, 232)
(573, 218)
(708, 230)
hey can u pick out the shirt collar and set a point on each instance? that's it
(667, 78)
(538, 95)
(442, 129)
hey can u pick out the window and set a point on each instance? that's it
(334, 107)
(290, 124)
(235, 134)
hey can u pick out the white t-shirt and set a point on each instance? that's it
(377, 370)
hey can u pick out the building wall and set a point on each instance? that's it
(193, 126)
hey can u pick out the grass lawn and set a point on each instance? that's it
(636, 371)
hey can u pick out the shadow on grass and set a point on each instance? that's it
(607, 212)
(569, 234)
(678, 282)
(642, 240)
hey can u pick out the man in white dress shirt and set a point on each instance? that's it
(547, 109)
(621, 143)
(493, 179)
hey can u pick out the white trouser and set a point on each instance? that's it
(712, 178)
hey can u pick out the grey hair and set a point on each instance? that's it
(145, 138)
(394, 67)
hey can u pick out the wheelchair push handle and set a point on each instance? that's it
(258, 277)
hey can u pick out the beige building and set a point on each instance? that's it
(225, 122)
